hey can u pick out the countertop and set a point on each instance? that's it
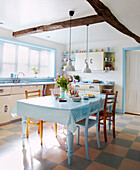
(95, 84)
(26, 84)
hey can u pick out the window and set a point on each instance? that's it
(15, 58)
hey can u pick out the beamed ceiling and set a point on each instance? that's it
(110, 20)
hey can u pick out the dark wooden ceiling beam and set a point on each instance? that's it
(104, 12)
(93, 19)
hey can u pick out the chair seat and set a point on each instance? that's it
(108, 114)
(91, 123)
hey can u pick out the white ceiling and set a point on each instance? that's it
(22, 14)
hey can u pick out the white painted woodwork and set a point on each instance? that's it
(5, 91)
(86, 88)
(80, 61)
(95, 60)
(133, 82)
(8, 98)
(4, 115)
(19, 89)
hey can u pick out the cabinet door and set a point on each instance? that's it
(4, 109)
(80, 61)
(36, 87)
(96, 60)
(12, 101)
(19, 89)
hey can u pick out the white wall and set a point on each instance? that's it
(31, 39)
(116, 46)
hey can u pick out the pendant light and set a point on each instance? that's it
(86, 68)
(69, 66)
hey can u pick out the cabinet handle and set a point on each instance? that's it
(77, 86)
(1, 90)
(91, 87)
(91, 61)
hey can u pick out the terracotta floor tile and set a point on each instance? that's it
(8, 126)
(5, 133)
(3, 144)
(136, 146)
(59, 167)
(56, 155)
(126, 136)
(123, 121)
(98, 166)
(132, 127)
(136, 120)
(128, 164)
(81, 140)
(101, 137)
(116, 150)
(93, 153)
(119, 129)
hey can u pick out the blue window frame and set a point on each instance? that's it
(17, 56)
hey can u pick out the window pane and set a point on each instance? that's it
(44, 58)
(43, 72)
(8, 69)
(23, 68)
(34, 57)
(9, 53)
(23, 54)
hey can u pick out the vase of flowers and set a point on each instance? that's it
(63, 82)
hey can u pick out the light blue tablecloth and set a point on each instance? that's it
(49, 109)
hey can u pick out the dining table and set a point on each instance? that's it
(48, 108)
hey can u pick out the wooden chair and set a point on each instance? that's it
(88, 123)
(30, 94)
(108, 113)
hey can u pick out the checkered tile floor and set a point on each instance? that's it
(121, 153)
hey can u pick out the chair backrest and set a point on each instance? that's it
(110, 99)
(55, 91)
(94, 108)
(36, 93)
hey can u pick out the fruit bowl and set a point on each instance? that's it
(76, 99)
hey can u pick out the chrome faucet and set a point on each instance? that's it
(20, 73)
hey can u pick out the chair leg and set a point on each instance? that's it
(99, 125)
(28, 120)
(55, 125)
(109, 123)
(78, 133)
(113, 127)
(41, 131)
(105, 135)
(38, 129)
(97, 134)
(86, 142)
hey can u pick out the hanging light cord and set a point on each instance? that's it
(70, 39)
(87, 46)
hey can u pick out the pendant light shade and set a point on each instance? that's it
(69, 66)
(86, 68)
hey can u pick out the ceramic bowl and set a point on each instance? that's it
(76, 99)
(56, 96)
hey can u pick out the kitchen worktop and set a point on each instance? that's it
(91, 83)
(26, 84)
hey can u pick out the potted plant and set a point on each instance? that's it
(77, 77)
(35, 71)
